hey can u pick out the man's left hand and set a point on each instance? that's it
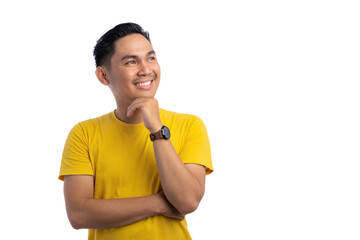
(150, 112)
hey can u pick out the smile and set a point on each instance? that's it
(143, 84)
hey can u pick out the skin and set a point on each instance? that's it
(183, 185)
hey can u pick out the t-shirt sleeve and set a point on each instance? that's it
(75, 159)
(196, 147)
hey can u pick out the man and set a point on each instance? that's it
(124, 177)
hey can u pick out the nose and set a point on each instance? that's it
(144, 69)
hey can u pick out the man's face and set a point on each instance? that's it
(134, 70)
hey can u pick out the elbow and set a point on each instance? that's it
(188, 207)
(76, 221)
(75, 225)
(189, 204)
(77, 215)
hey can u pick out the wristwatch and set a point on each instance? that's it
(163, 133)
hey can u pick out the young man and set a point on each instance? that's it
(125, 176)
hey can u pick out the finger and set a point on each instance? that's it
(136, 104)
(133, 107)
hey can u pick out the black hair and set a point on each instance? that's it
(104, 48)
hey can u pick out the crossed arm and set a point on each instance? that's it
(86, 212)
(183, 186)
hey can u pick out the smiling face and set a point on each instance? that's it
(133, 72)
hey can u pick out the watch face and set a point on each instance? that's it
(165, 132)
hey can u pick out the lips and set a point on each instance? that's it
(143, 84)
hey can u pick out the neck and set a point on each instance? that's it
(121, 112)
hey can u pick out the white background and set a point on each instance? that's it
(276, 83)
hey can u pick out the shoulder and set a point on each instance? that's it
(97, 120)
(91, 125)
(182, 120)
(175, 116)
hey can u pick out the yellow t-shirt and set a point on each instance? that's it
(121, 158)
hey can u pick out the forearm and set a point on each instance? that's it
(110, 213)
(181, 187)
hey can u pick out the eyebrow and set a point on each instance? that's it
(135, 56)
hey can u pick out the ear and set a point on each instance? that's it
(100, 73)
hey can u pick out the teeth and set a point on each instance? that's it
(143, 84)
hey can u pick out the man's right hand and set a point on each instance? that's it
(167, 209)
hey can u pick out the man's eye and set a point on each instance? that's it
(130, 62)
(152, 58)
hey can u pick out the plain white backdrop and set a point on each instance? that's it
(276, 83)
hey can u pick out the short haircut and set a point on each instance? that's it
(104, 48)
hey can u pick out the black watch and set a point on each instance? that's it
(163, 133)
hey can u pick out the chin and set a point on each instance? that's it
(146, 96)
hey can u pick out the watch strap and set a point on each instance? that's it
(156, 135)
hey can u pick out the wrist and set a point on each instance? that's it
(159, 206)
(156, 128)
(163, 133)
